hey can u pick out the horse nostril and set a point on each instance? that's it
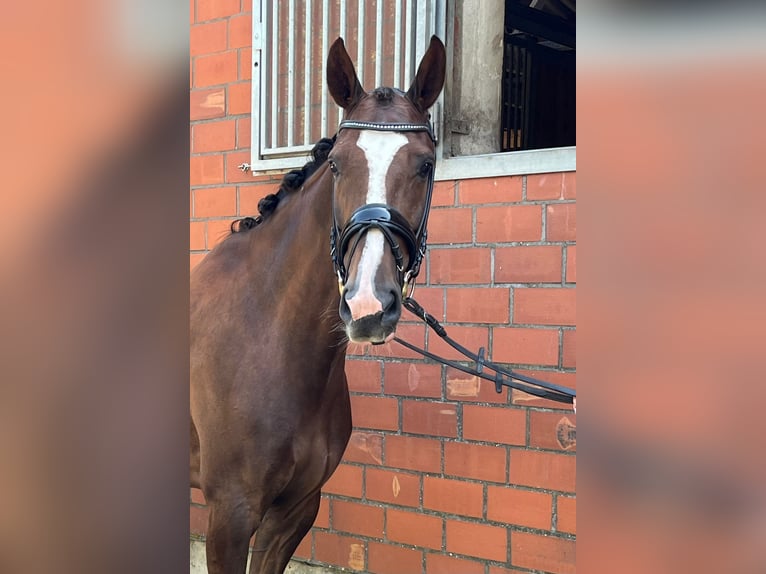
(391, 307)
(344, 310)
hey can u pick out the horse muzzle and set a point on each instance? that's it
(371, 317)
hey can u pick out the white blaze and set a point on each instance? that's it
(379, 149)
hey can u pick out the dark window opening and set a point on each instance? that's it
(538, 80)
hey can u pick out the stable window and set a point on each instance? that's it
(508, 103)
(291, 106)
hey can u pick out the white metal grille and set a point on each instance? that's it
(291, 106)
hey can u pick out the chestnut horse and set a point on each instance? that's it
(270, 409)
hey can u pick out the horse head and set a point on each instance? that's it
(383, 168)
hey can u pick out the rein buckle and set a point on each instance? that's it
(408, 285)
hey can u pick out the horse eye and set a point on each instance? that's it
(425, 169)
(333, 167)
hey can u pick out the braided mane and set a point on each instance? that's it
(292, 181)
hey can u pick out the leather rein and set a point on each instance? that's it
(502, 377)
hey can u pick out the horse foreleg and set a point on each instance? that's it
(230, 526)
(281, 531)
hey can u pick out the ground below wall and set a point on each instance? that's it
(197, 562)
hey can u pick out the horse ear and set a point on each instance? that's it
(429, 80)
(342, 82)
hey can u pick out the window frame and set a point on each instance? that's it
(432, 16)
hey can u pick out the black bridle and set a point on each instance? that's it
(380, 216)
(502, 377)
(393, 225)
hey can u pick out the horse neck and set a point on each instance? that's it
(291, 258)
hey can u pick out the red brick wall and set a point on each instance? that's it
(441, 474)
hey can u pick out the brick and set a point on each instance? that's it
(454, 266)
(215, 202)
(240, 98)
(464, 387)
(233, 160)
(194, 260)
(439, 419)
(545, 186)
(478, 305)
(569, 353)
(555, 377)
(486, 463)
(250, 195)
(375, 412)
(470, 337)
(490, 190)
(304, 548)
(561, 222)
(387, 559)
(526, 346)
(505, 425)
(570, 185)
(358, 519)
(553, 430)
(509, 223)
(521, 507)
(245, 64)
(207, 38)
(213, 136)
(528, 264)
(443, 193)
(240, 31)
(413, 379)
(571, 270)
(196, 235)
(363, 376)
(547, 470)
(217, 230)
(450, 226)
(211, 9)
(414, 528)
(566, 508)
(539, 306)
(357, 350)
(206, 104)
(392, 487)
(323, 515)
(198, 519)
(548, 553)
(215, 69)
(453, 496)
(205, 169)
(342, 551)
(346, 481)
(196, 496)
(243, 133)
(443, 564)
(364, 447)
(413, 453)
(479, 540)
